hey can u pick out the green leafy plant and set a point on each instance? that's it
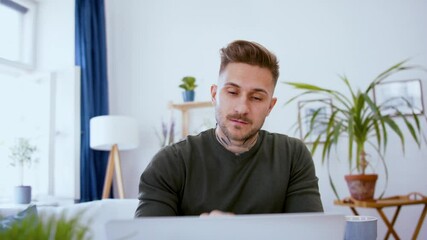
(188, 83)
(22, 155)
(356, 117)
(51, 227)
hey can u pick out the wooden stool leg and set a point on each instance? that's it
(420, 222)
(388, 224)
(393, 221)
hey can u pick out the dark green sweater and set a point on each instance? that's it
(199, 175)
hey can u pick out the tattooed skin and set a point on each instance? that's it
(236, 147)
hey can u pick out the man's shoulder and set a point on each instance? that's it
(194, 140)
(270, 136)
(202, 135)
(181, 148)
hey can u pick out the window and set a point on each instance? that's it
(43, 107)
(25, 103)
(40, 105)
(17, 23)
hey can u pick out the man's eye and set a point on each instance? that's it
(257, 98)
(232, 92)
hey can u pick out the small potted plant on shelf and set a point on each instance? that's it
(22, 156)
(355, 116)
(188, 84)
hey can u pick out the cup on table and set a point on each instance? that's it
(360, 228)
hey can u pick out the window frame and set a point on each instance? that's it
(27, 61)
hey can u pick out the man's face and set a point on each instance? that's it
(243, 99)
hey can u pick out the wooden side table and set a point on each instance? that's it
(395, 201)
(184, 107)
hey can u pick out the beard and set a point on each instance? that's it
(228, 132)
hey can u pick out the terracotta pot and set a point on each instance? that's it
(362, 187)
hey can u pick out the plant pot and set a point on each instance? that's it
(23, 194)
(188, 96)
(361, 186)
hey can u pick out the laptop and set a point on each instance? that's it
(247, 227)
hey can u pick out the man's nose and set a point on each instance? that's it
(242, 105)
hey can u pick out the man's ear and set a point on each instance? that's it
(214, 89)
(272, 104)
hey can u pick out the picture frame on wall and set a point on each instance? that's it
(401, 96)
(310, 128)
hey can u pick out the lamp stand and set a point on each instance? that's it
(113, 164)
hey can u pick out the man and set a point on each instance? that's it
(235, 168)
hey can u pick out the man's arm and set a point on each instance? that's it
(303, 190)
(160, 184)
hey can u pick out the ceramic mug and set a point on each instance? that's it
(360, 228)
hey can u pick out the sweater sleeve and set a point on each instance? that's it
(303, 190)
(160, 185)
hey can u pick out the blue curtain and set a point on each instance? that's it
(91, 56)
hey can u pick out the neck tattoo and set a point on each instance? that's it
(236, 148)
(225, 141)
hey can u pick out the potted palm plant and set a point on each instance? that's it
(188, 84)
(355, 116)
(22, 156)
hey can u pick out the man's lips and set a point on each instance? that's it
(239, 120)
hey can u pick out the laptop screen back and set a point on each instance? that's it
(246, 227)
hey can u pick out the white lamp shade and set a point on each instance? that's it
(107, 130)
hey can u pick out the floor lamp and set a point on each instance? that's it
(111, 133)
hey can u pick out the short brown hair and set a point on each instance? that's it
(251, 53)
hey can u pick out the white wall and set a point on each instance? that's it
(153, 44)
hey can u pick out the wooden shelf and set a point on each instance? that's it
(189, 105)
(184, 107)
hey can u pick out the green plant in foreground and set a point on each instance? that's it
(53, 227)
(189, 83)
(357, 117)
